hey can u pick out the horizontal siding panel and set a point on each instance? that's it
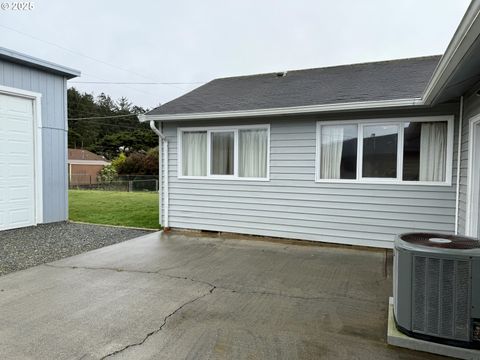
(302, 225)
(290, 143)
(413, 208)
(295, 170)
(285, 228)
(347, 212)
(294, 150)
(300, 190)
(345, 219)
(310, 157)
(291, 163)
(366, 199)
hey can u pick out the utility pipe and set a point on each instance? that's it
(459, 159)
(163, 184)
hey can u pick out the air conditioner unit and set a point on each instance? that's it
(436, 288)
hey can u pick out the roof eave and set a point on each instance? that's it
(465, 35)
(23, 59)
(310, 109)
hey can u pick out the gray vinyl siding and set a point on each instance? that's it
(471, 109)
(293, 205)
(54, 130)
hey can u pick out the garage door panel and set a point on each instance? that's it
(15, 105)
(19, 171)
(19, 148)
(18, 218)
(17, 194)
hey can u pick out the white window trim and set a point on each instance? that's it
(210, 130)
(387, 121)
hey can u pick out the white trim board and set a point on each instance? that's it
(471, 222)
(38, 146)
(387, 121)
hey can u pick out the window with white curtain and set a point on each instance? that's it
(425, 151)
(194, 150)
(410, 150)
(338, 152)
(228, 152)
(252, 153)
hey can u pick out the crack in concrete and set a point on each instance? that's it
(99, 268)
(158, 272)
(233, 290)
(165, 319)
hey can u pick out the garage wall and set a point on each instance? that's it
(292, 205)
(54, 92)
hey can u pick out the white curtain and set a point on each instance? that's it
(222, 153)
(433, 151)
(331, 152)
(252, 157)
(194, 154)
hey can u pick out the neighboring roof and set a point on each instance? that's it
(403, 79)
(81, 154)
(23, 59)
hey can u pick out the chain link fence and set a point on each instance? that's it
(128, 183)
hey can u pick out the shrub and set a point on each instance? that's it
(119, 160)
(139, 163)
(107, 174)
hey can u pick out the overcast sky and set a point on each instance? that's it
(199, 40)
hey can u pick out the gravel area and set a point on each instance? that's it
(31, 246)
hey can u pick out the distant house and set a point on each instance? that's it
(351, 154)
(33, 140)
(84, 166)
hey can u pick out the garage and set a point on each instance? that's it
(33, 140)
(17, 185)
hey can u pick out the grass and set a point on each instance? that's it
(136, 209)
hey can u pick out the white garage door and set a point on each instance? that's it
(17, 180)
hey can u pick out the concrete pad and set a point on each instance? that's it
(177, 296)
(397, 338)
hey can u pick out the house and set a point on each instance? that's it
(351, 154)
(84, 166)
(33, 140)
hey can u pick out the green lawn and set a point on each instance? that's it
(137, 209)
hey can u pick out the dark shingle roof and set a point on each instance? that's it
(384, 80)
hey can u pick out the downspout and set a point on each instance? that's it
(459, 159)
(162, 151)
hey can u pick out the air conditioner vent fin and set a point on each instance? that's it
(462, 306)
(447, 298)
(441, 297)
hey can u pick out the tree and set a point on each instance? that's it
(106, 136)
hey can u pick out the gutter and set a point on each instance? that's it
(163, 151)
(310, 109)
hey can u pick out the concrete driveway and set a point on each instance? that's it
(179, 296)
